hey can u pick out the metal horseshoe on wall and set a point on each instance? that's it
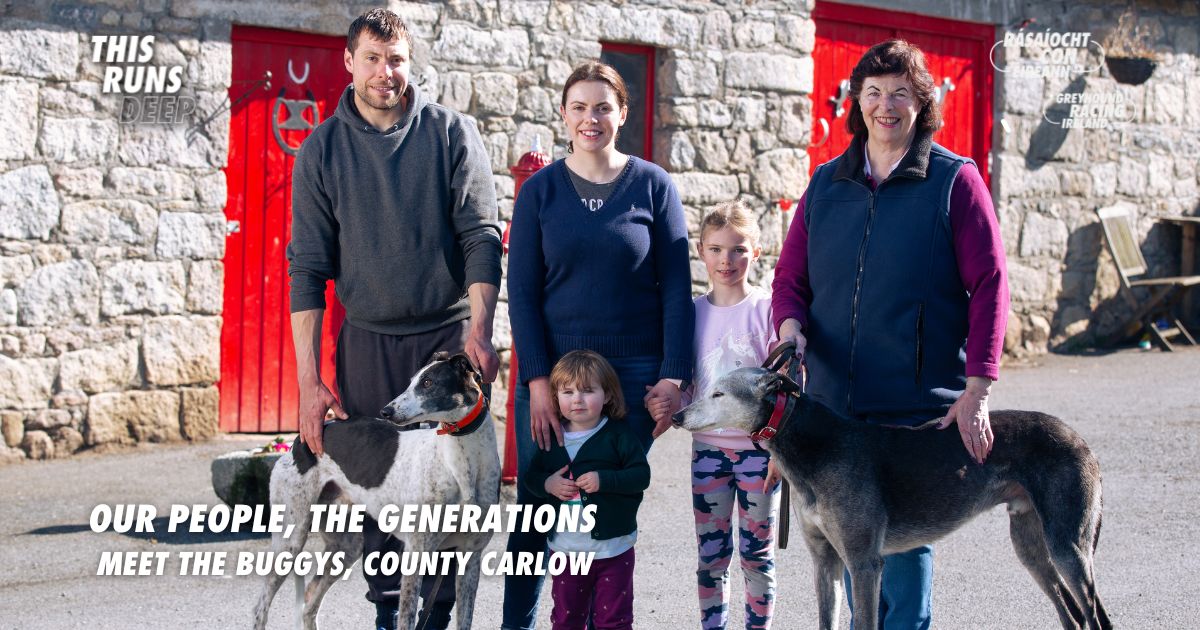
(295, 118)
(292, 73)
(825, 136)
(839, 101)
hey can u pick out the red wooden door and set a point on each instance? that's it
(268, 123)
(957, 55)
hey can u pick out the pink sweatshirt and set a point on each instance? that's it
(728, 338)
(981, 266)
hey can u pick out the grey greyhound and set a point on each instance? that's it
(864, 491)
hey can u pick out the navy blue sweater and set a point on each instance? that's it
(616, 281)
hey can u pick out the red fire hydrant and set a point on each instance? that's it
(529, 164)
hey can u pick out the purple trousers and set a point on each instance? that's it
(605, 594)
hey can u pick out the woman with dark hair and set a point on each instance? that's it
(598, 260)
(893, 284)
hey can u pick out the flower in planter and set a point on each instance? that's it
(1129, 58)
(278, 445)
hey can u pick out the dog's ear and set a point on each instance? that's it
(439, 356)
(768, 383)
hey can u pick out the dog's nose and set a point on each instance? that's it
(677, 419)
(387, 412)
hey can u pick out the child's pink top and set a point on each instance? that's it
(728, 338)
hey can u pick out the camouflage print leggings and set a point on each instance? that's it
(719, 476)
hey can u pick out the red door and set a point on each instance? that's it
(957, 55)
(269, 120)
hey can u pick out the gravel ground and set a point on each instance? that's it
(1138, 411)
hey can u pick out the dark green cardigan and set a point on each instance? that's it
(616, 455)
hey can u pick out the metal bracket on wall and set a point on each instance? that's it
(264, 82)
(839, 101)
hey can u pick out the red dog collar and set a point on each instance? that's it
(454, 428)
(769, 431)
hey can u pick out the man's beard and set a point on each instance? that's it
(366, 95)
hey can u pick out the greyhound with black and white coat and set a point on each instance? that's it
(864, 491)
(369, 461)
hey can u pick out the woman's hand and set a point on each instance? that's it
(559, 487)
(589, 482)
(970, 411)
(773, 477)
(669, 391)
(789, 330)
(543, 416)
(658, 406)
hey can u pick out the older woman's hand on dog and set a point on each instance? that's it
(970, 411)
(559, 487)
(789, 330)
(543, 416)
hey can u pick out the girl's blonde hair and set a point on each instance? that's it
(579, 367)
(733, 214)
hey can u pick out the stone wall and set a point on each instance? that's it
(1049, 181)
(111, 239)
(112, 236)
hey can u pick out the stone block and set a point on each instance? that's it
(795, 114)
(716, 29)
(769, 71)
(151, 182)
(100, 369)
(80, 182)
(29, 383)
(244, 478)
(206, 287)
(711, 153)
(36, 52)
(141, 416)
(70, 140)
(796, 32)
(497, 149)
(1104, 179)
(67, 441)
(18, 119)
(713, 114)
(8, 307)
(29, 206)
(182, 350)
(456, 91)
(1027, 284)
(495, 93)
(462, 44)
(749, 112)
(212, 68)
(12, 425)
(525, 12)
(11, 455)
(48, 420)
(201, 412)
(686, 76)
(781, 173)
(705, 188)
(191, 235)
(167, 145)
(109, 221)
(1131, 179)
(753, 33)
(1023, 94)
(60, 293)
(38, 445)
(1043, 236)
(136, 286)
(666, 28)
(681, 155)
(537, 103)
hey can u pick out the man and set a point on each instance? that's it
(392, 198)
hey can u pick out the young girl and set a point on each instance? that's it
(733, 330)
(600, 463)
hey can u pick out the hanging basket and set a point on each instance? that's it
(1130, 70)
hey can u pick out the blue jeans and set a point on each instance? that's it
(522, 592)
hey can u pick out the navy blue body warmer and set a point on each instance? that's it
(888, 319)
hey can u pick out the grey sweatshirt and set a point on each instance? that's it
(403, 221)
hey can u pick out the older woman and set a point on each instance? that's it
(893, 285)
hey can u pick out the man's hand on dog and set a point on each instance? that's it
(560, 487)
(970, 411)
(543, 416)
(314, 402)
(479, 350)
